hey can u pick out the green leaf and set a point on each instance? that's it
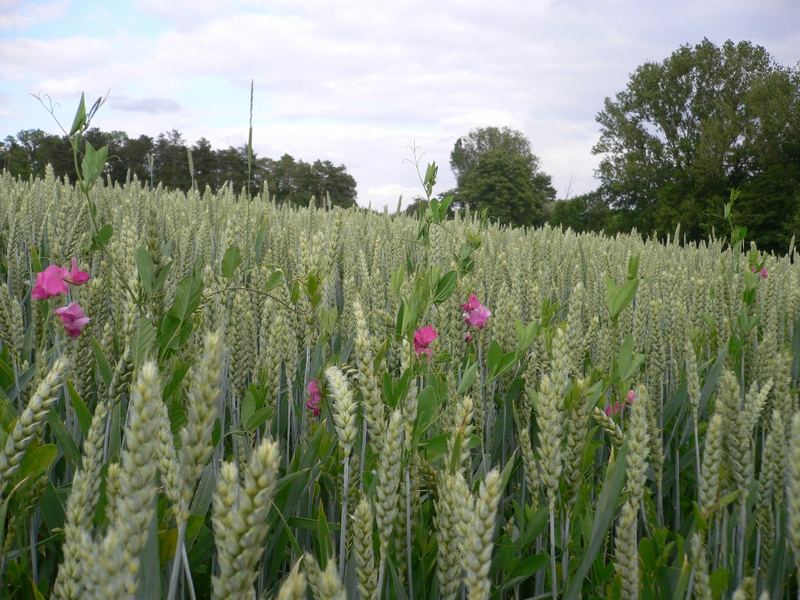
(435, 446)
(313, 287)
(323, 538)
(445, 206)
(526, 334)
(399, 329)
(103, 366)
(161, 276)
(603, 517)
(52, 507)
(493, 356)
(93, 163)
(633, 266)
(37, 460)
(428, 403)
(66, 444)
(102, 236)
(430, 178)
(718, 582)
(445, 287)
(618, 298)
(529, 565)
(248, 406)
(327, 319)
(497, 361)
(295, 292)
(230, 262)
(261, 238)
(142, 342)
(468, 378)
(273, 281)
(179, 370)
(81, 411)
(80, 117)
(149, 575)
(398, 276)
(258, 418)
(146, 268)
(176, 325)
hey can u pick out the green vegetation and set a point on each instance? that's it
(277, 400)
(169, 161)
(687, 130)
(227, 395)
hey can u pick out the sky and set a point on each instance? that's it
(361, 83)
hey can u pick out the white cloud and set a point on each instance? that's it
(358, 82)
(15, 14)
(151, 105)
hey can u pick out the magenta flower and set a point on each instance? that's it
(763, 273)
(471, 304)
(314, 397)
(615, 409)
(76, 276)
(475, 313)
(49, 283)
(73, 318)
(423, 338)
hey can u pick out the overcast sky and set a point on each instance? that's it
(359, 83)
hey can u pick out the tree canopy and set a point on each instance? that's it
(497, 170)
(688, 129)
(288, 179)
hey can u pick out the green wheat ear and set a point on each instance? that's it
(30, 421)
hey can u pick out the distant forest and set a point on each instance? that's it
(166, 160)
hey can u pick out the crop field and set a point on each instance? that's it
(211, 396)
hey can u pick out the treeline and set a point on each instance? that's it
(684, 133)
(170, 161)
(673, 144)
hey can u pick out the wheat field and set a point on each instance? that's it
(278, 402)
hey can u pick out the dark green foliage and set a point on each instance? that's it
(289, 180)
(496, 169)
(587, 212)
(688, 129)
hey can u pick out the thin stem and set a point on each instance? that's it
(408, 535)
(343, 532)
(176, 562)
(741, 533)
(565, 551)
(677, 488)
(382, 572)
(34, 560)
(188, 573)
(696, 447)
(553, 571)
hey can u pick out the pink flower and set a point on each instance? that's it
(471, 304)
(314, 397)
(475, 313)
(49, 283)
(423, 338)
(75, 276)
(468, 338)
(631, 396)
(763, 273)
(615, 409)
(73, 318)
